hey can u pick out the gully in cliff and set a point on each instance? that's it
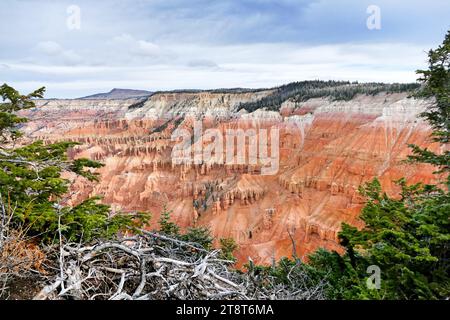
(208, 147)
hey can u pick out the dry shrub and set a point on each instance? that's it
(19, 254)
(18, 258)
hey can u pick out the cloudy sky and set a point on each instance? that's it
(80, 47)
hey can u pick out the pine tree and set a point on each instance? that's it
(436, 85)
(227, 247)
(165, 225)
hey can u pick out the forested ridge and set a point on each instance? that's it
(335, 90)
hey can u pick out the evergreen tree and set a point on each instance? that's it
(436, 85)
(165, 225)
(200, 235)
(227, 247)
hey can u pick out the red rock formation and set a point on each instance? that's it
(327, 149)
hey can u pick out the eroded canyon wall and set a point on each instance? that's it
(326, 150)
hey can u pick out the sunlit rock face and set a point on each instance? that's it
(326, 150)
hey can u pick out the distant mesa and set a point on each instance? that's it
(120, 94)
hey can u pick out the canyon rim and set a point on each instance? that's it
(327, 149)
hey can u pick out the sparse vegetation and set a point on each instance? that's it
(137, 105)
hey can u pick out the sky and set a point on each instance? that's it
(80, 47)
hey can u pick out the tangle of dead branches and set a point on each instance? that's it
(154, 266)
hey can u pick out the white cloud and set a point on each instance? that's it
(50, 47)
(202, 63)
(147, 48)
(124, 39)
(136, 47)
(54, 49)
